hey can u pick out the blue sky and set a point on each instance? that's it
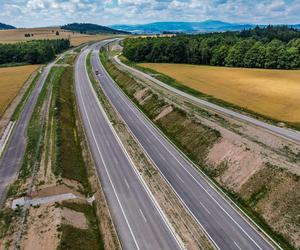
(38, 13)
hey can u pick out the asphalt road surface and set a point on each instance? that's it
(138, 219)
(12, 156)
(225, 226)
(286, 133)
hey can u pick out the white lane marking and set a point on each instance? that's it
(195, 179)
(237, 245)
(146, 188)
(191, 97)
(179, 178)
(143, 215)
(126, 183)
(204, 207)
(155, 136)
(93, 134)
(145, 151)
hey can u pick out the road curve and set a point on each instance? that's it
(139, 221)
(285, 133)
(12, 156)
(224, 225)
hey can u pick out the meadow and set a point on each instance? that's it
(272, 93)
(11, 81)
(18, 35)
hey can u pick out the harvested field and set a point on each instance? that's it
(272, 93)
(11, 81)
(18, 35)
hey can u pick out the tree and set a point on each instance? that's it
(57, 33)
(236, 53)
(219, 55)
(255, 57)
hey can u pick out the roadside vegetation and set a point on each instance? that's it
(35, 134)
(272, 47)
(69, 161)
(263, 91)
(56, 161)
(196, 140)
(192, 137)
(185, 226)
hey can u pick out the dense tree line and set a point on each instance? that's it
(275, 47)
(34, 52)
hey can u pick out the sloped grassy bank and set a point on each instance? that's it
(195, 140)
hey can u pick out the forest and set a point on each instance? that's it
(272, 47)
(32, 52)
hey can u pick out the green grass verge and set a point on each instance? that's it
(35, 135)
(69, 160)
(7, 216)
(76, 238)
(180, 133)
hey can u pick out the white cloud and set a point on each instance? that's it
(55, 12)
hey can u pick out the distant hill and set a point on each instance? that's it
(185, 27)
(89, 28)
(188, 27)
(4, 26)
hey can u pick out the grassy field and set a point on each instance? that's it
(17, 35)
(272, 93)
(11, 81)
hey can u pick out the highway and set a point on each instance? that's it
(285, 133)
(223, 224)
(11, 159)
(139, 221)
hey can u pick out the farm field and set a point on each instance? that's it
(17, 35)
(11, 81)
(273, 93)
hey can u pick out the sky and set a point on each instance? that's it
(41, 13)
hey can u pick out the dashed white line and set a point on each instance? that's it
(179, 178)
(143, 215)
(237, 245)
(204, 207)
(100, 154)
(127, 183)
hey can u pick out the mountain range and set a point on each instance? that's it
(187, 27)
(4, 26)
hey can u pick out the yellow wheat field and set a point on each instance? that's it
(17, 35)
(11, 81)
(273, 93)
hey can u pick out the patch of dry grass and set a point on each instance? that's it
(17, 35)
(11, 81)
(273, 93)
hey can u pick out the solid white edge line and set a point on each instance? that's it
(205, 208)
(88, 119)
(206, 179)
(191, 175)
(194, 99)
(232, 203)
(155, 203)
(153, 162)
